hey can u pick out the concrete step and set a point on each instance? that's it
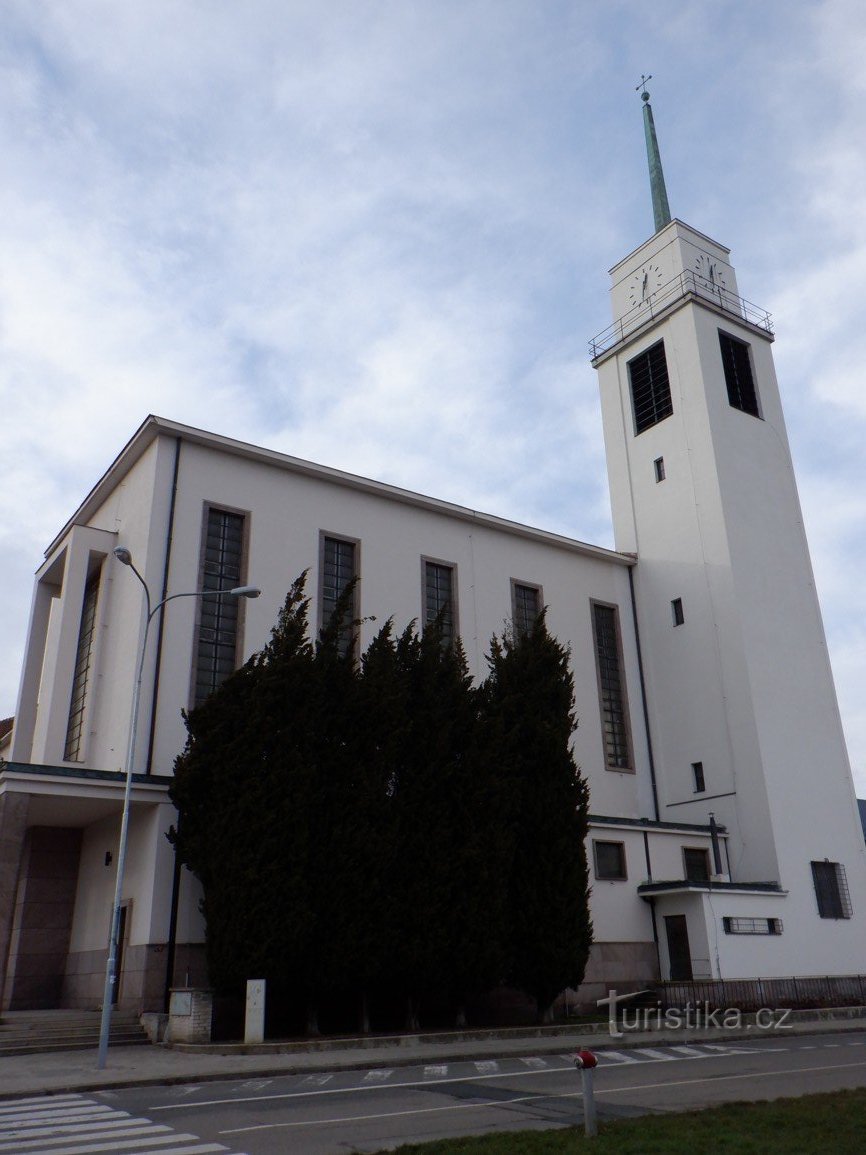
(33, 1032)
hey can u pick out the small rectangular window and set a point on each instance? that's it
(737, 363)
(609, 860)
(338, 571)
(696, 861)
(650, 388)
(698, 773)
(440, 598)
(677, 611)
(611, 685)
(216, 650)
(831, 890)
(752, 925)
(659, 466)
(525, 607)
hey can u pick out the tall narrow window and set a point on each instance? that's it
(737, 363)
(81, 676)
(525, 607)
(650, 387)
(611, 687)
(659, 466)
(216, 654)
(339, 568)
(698, 773)
(831, 890)
(439, 600)
(677, 614)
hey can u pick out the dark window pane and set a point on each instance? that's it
(216, 653)
(738, 374)
(81, 673)
(439, 598)
(526, 608)
(338, 571)
(613, 713)
(650, 388)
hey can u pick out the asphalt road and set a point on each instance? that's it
(365, 1111)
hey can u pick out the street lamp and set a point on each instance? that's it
(125, 558)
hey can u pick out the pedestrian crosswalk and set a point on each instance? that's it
(76, 1125)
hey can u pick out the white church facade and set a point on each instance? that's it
(724, 840)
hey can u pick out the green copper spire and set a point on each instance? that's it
(661, 209)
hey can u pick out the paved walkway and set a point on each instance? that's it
(130, 1066)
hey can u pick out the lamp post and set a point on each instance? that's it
(125, 558)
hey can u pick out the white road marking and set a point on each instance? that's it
(436, 1071)
(318, 1080)
(659, 1056)
(616, 1056)
(75, 1125)
(497, 1103)
(256, 1084)
(689, 1052)
(378, 1076)
(536, 1064)
(486, 1066)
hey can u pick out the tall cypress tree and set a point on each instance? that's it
(528, 702)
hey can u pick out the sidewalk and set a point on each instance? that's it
(142, 1065)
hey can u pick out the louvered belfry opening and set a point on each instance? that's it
(650, 387)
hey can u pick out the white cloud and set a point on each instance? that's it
(375, 233)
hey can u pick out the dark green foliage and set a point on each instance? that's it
(381, 827)
(527, 710)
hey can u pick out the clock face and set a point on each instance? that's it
(710, 271)
(644, 283)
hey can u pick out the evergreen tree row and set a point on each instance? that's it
(382, 829)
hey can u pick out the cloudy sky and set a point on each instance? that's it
(376, 233)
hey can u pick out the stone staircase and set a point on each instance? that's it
(36, 1032)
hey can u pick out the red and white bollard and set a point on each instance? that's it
(586, 1062)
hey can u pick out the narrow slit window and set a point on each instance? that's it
(677, 611)
(81, 677)
(614, 714)
(339, 570)
(698, 774)
(216, 650)
(659, 467)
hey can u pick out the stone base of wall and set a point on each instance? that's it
(43, 919)
(142, 977)
(619, 966)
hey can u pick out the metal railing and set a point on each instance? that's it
(754, 994)
(686, 284)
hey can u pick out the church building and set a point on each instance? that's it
(724, 838)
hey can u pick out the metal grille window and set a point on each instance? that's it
(752, 925)
(609, 860)
(697, 864)
(831, 890)
(611, 687)
(525, 607)
(81, 675)
(439, 598)
(216, 653)
(737, 364)
(650, 387)
(339, 568)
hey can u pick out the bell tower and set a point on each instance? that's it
(742, 707)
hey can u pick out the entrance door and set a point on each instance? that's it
(678, 947)
(118, 965)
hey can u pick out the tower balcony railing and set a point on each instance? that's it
(686, 284)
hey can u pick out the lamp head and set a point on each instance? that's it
(245, 592)
(122, 554)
